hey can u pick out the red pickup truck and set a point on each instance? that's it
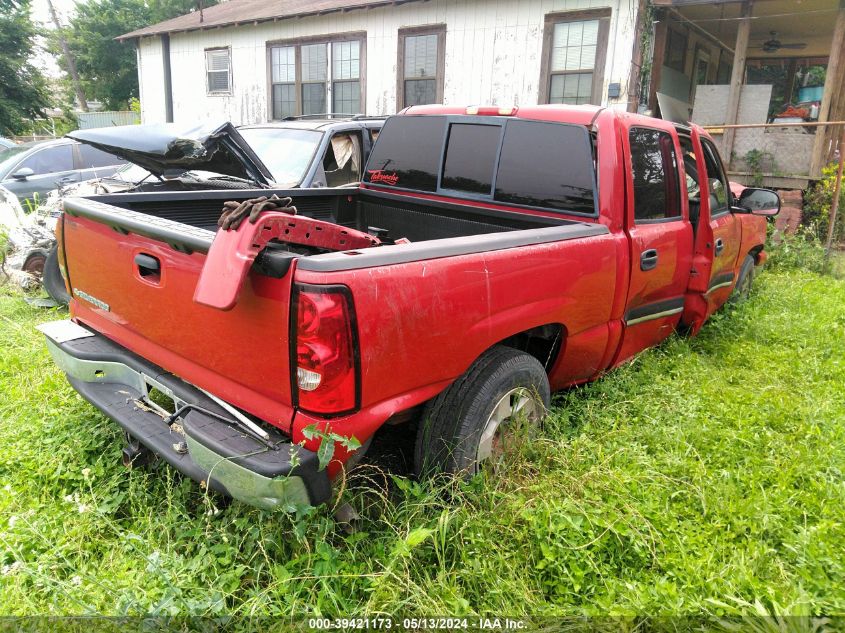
(490, 257)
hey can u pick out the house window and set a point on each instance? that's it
(575, 49)
(676, 51)
(316, 78)
(218, 71)
(421, 66)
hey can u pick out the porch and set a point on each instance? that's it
(766, 77)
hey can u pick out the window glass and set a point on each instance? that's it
(676, 51)
(50, 159)
(286, 152)
(717, 184)
(573, 58)
(312, 73)
(471, 157)
(654, 168)
(218, 71)
(408, 154)
(420, 69)
(546, 165)
(346, 66)
(93, 157)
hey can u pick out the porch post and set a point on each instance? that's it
(737, 78)
(833, 99)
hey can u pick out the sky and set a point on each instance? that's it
(41, 15)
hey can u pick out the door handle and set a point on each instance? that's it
(720, 246)
(648, 259)
(149, 267)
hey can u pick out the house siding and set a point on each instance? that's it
(493, 56)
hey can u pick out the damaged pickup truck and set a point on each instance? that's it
(490, 257)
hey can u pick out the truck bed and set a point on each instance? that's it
(400, 216)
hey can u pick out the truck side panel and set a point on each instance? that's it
(422, 324)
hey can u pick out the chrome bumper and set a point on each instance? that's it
(219, 455)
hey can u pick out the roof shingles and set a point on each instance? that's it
(236, 12)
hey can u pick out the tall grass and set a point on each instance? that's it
(704, 477)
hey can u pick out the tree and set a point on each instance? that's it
(23, 89)
(108, 68)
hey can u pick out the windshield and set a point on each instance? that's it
(9, 157)
(286, 152)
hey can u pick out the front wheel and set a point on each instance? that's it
(471, 423)
(742, 290)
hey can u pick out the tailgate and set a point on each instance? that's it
(133, 279)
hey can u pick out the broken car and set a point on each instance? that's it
(490, 257)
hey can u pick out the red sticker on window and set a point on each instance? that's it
(379, 175)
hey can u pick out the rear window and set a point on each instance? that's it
(407, 154)
(546, 165)
(471, 157)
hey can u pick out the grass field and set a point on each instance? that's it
(705, 477)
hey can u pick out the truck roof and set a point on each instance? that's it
(574, 114)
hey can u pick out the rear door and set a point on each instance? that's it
(661, 237)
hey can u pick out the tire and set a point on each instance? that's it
(742, 289)
(460, 429)
(52, 278)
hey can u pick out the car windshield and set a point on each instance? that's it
(286, 152)
(9, 157)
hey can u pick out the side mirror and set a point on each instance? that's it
(23, 173)
(760, 201)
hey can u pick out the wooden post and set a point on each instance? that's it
(737, 78)
(837, 188)
(833, 93)
(791, 68)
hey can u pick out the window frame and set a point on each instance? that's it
(440, 71)
(297, 44)
(708, 147)
(490, 199)
(229, 73)
(674, 218)
(551, 19)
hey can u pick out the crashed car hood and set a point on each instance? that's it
(168, 149)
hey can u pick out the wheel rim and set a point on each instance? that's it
(517, 403)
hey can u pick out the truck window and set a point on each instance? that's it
(546, 165)
(471, 157)
(408, 153)
(654, 168)
(717, 183)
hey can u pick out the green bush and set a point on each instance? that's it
(802, 250)
(817, 203)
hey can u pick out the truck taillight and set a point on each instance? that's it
(324, 350)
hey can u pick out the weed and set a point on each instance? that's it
(704, 477)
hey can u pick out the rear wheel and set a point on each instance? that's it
(472, 424)
(742, 290)
(52, 278)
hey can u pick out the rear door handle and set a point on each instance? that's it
(720, 246)
(648, 259)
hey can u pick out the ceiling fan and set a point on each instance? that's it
(773, 44)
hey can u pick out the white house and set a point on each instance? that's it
(257, 60)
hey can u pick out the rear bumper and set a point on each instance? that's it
(219, 455)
